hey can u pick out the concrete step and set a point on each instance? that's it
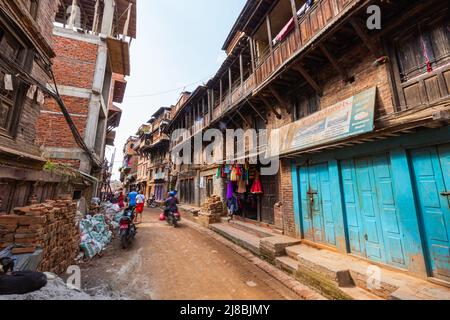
(294, 251)
(241, 238)
(287, 264)
(253, 229)
(335, 272)
(357, 293)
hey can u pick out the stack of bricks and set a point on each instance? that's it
(50, 226)
(211, 212)
(213, 206)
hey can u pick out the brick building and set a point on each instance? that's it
(129, 169)
(92, 60)
(153, 150)
(25, 60)
(358, 118)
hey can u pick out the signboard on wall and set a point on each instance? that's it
(348, 118)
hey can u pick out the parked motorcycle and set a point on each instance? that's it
(127, 228)
(151, 203)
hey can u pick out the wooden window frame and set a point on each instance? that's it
(20, 89)
(395, 69)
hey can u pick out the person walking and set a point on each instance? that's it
(140, 201)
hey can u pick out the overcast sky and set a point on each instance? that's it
(178, 47)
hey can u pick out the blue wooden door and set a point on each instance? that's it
(373, 222)
(317, 210)
(432, 177)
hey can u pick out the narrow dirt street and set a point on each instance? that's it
(167, 263)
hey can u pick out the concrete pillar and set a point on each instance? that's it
(95, 104)
(108, 17)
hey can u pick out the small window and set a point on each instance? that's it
(209, 187)
(306, 105)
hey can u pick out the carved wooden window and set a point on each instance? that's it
(421, 61)
(10, 100)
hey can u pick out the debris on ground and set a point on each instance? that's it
(57, 289)
(97, 230)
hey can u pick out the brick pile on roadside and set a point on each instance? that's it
(50, 226)
(213, 206)
(211, 211)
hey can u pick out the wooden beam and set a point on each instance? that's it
(256, 110)
(241, 69)
(127, 22)
(279, 98)
(96, 17)
(364, 37)
(242, 117)
(270, 106)
(252, 55)
(333, 61)
(295, 16)
(221, 90)
(308, 78)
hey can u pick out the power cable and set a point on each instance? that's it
(168, 91)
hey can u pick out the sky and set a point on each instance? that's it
(178, 47)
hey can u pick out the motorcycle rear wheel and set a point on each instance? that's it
(124, 241)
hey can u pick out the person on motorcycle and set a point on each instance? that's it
(171, 203)
(132, 198)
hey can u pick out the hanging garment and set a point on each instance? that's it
(227, 169)
(233, 175)
(31, 91)
(257, 186)
(8, 82)
(229, 190)
(219, 172)
(242, 187)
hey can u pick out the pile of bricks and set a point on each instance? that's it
(213, 206)
(211, 211)
(50, 226)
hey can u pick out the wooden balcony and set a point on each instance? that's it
(317, 20)
(230, 101)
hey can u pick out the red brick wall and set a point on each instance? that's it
(73, 163)
(75, 61)
(53, 130)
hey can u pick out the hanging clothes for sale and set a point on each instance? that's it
(257, 186)
(229, 190)
(242, 187)
(219, 172)
(233, 174)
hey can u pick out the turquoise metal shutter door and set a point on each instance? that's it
(316, 204)
(373, 222)
(432, 177)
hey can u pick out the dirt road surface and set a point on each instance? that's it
(167, 263)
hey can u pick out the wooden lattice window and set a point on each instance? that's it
(425, 47)
(10, 100)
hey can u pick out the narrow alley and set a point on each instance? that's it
(179, 264)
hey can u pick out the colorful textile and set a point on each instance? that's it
(229, 190)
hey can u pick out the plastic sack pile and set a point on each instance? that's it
(95, 235)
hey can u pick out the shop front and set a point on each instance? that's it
(385, 202)
(249, 195)
(384, 199)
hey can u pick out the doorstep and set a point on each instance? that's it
(334, 275)
(337, 272)
(273, 247)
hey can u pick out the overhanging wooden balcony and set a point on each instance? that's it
(320, 18)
